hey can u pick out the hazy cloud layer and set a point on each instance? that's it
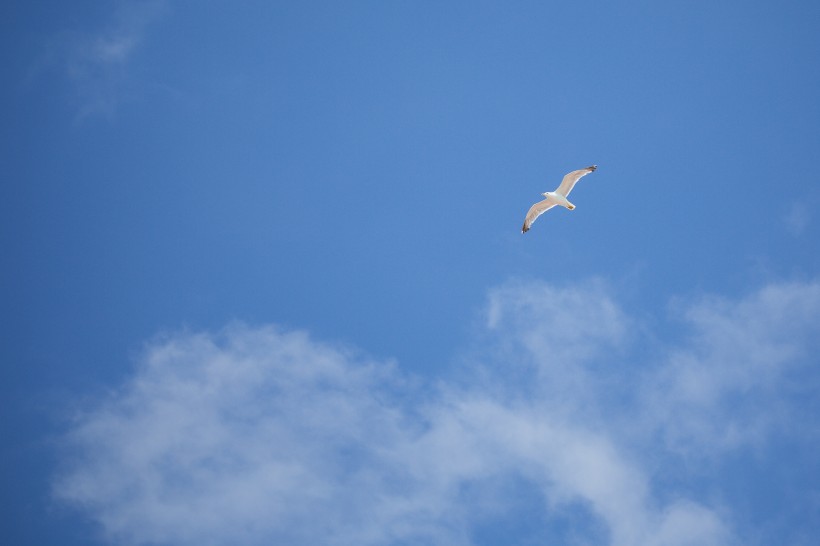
(264, 436)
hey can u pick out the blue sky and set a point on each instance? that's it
(264, 280)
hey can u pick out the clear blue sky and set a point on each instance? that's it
(263, 279)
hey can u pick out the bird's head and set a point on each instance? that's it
(547, 193)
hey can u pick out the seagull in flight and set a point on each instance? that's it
(557, 197)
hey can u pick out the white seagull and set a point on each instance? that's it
(557, 197)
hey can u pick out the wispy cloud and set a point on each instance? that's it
(733, 366)
(260, 436)
(96, 62)
(797, 219)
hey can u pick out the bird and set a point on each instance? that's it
(557, 197)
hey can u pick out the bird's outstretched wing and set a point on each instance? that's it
(570, 179)
(535, 211)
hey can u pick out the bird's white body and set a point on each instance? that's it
(557, 197)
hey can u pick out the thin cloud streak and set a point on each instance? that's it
(259, 435)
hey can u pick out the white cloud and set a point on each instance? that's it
(260, 436)
(733, 366)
